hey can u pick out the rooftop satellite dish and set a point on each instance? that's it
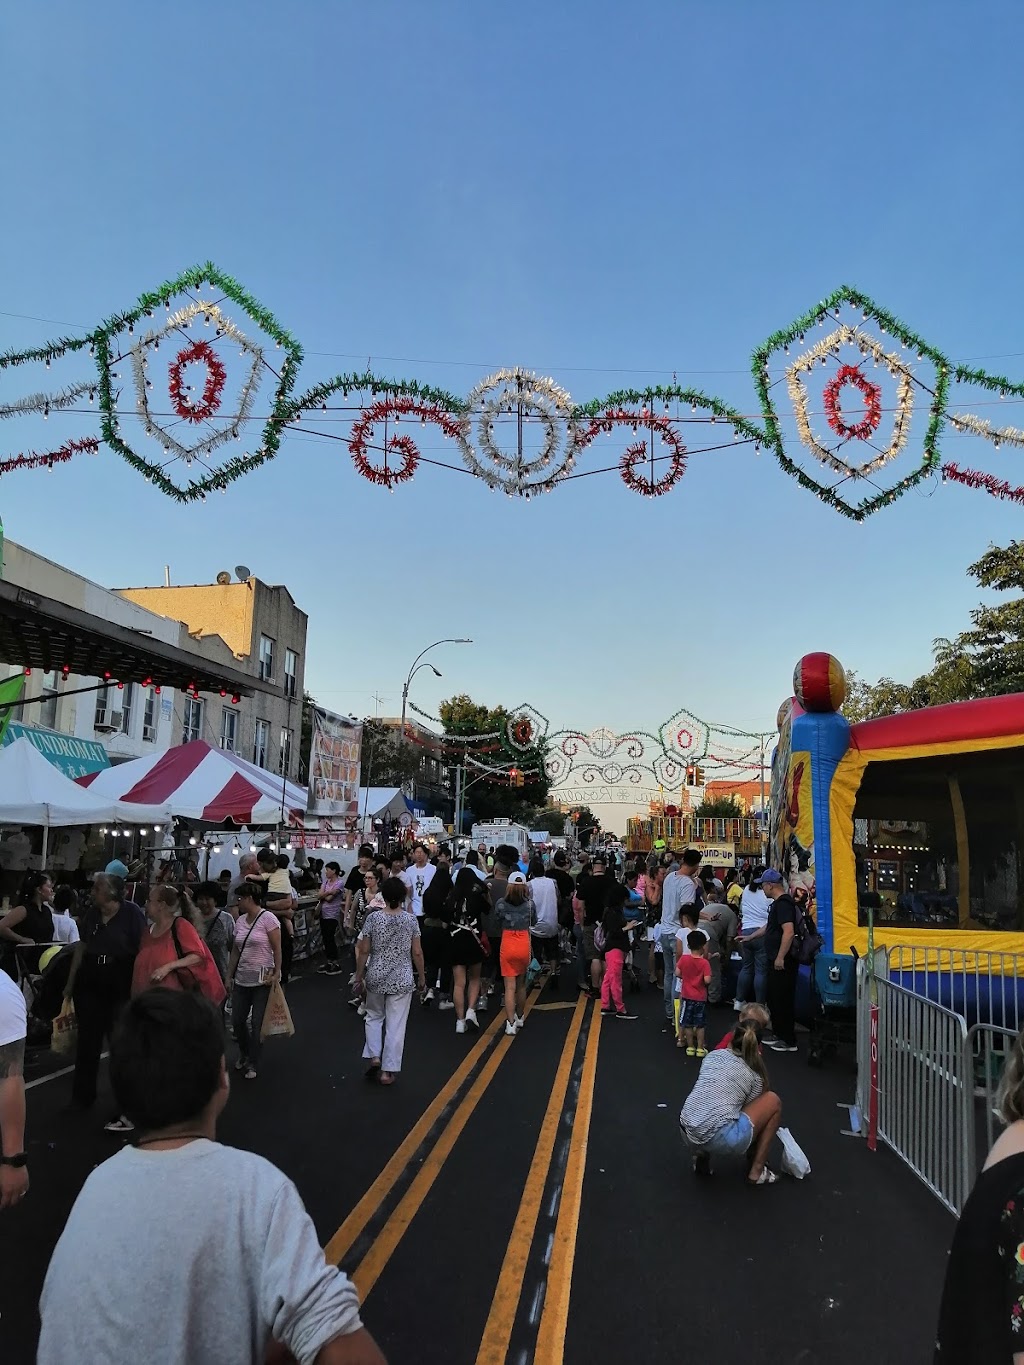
(223, 577)
(242, 572)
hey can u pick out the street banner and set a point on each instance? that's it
(717, 855)
(334, 765)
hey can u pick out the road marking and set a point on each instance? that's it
(500, 1320)
(559, 1005)
(352, 1228)
(64, 1071)
(555, 1317)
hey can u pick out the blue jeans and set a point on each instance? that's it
(668, 950)
(731, 1141)
(754, 972)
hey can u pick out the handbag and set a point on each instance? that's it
(794, 1161)
(211, 986)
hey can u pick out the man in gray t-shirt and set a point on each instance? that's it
(160, 1206)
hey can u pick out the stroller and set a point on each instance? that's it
(833, 1005)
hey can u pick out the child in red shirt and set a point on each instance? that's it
(694, 972)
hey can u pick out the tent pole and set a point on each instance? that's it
(46, 839)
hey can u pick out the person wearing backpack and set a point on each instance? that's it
(782, 964)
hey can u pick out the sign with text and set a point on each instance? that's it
(334, 765)
(717, 855)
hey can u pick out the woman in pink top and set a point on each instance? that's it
(254, 967)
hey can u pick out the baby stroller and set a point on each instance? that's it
(833, 1005)
(41, 971)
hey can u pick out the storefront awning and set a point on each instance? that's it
(40, 632)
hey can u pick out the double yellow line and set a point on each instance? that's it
(498, 1331)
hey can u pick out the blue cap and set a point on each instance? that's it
(769, 875)
(116, 868)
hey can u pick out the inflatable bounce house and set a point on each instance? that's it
(916, 819)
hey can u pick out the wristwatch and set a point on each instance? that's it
(18, 1159)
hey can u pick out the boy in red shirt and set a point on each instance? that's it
(694, 972)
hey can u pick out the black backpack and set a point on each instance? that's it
(807, 942)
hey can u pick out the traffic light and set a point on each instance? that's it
(516, 777)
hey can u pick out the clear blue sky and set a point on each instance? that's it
(599, 192)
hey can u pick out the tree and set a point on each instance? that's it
(586, 824)
(384, 761)
(722, 808)
(985, 661)
(494, 795)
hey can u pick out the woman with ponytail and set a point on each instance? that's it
(730, 1112)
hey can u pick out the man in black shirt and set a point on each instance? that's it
(782, 966)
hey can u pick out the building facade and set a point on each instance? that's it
(265, 633)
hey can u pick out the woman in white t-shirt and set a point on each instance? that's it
(754, 907)
(254, 967)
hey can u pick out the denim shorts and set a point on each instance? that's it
(691, 1013)
(734, 1140)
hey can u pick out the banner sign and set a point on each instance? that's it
(429, 824)
(717, 855)
(74, 757)
(334, 765)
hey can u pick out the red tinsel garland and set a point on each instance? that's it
(522, 732)
(637, 452)
(36, 460)
(872, 394)
(385, 475)
(974, 478)
(199, 353)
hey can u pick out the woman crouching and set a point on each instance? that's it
(730, 1112)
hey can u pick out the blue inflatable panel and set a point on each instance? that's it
(995, 1000)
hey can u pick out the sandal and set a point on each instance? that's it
(372, 1071)
(767, 1177)
(386, 1078)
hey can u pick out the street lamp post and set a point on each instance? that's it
(416, 666)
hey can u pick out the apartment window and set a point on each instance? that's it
(266, 658)
(149, 715)
(126, 701)
(193, 726)
(261, 743)
(101, 720)
(291, 670)
(285, 758)
(229, 730)
(48, 708)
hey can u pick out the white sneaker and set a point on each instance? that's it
(430, 994)
(738, 1005)
(446, 1005)
(510, 1030)
(520, 1021)
(481, 1004)
(472, 1019)
(460, 1026)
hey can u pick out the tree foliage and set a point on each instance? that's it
(495, 796)
(721, 808)
(385, 762)
(986, 660)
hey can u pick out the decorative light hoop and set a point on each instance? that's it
(831, 346)
(198, 353)
(870, 392)
(395, 406)
(636, 453)
(507, 391)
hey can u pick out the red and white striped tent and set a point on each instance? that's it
(195, 781)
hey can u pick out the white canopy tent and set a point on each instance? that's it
(35, 792)
(376, 802)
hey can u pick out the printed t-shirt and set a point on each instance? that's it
(694, 973)
(417, 879)
(391, 934)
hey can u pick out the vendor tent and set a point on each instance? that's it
(35, 792)
(377, 802)
(198, 782)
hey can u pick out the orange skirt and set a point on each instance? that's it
(516, 951)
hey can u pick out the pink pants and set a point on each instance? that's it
(611, 986)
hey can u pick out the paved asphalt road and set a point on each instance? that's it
(529, 1199)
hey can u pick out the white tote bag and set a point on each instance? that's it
(794, 1162)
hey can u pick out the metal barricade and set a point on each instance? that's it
(925, 1090)
(983, 986)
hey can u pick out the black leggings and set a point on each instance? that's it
(329, 928)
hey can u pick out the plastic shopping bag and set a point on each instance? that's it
(277, 1021)
(64, 1032)
(794, 1162)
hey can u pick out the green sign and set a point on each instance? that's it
(74, 757)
